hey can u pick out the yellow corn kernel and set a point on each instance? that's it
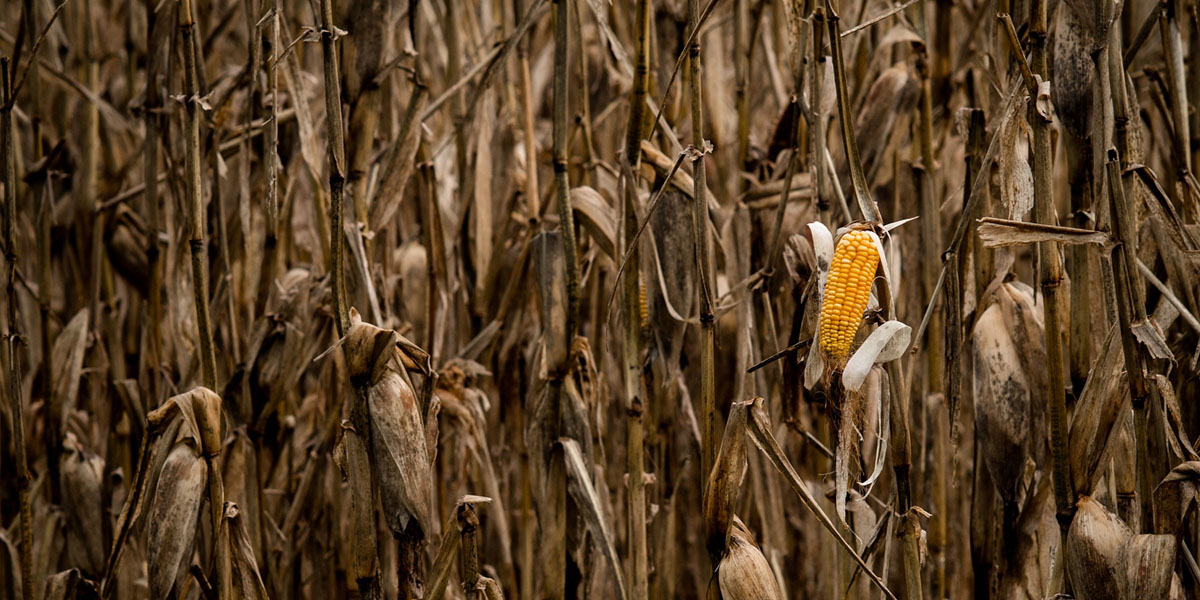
(847, 290)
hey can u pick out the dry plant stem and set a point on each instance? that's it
(584, 117)
(39, 191)
(862, 193)
(901, 456)
(337, 162)
(451, 26)
(14, 333)
(931, 245)
(1050, 268)
(89, 169)
(817, 127)
(741, 59)
(220, 552)
(562, 9)
(781, 207)
(702, 242)
(271, 240)
(1173, 46)
(532, 193)
(634, 384)
(1131, 308)
(150, 166)
(931, 227)
(433, 238)
(976, 146)
(208, 358)
(468, 556)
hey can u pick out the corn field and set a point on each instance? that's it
(628, 299)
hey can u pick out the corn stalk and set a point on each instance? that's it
(702, 242)
(14, 331)
(1049, 266)
(208, 358)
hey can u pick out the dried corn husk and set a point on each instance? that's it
(1073, 68)
(82, 474)
(398, 443)
(1002, 403)
(1091, 550)
(1146, 565)
(744, 574)
(174, 515)
(1174, 496)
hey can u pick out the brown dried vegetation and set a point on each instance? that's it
(487, 298)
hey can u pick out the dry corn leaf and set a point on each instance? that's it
(1103, 401)
(997, 233)
(725, 481)
(247, 584)
(585, 496)
(595, 214)
(69, 349)
(82, 474)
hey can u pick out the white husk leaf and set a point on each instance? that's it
(888, 342)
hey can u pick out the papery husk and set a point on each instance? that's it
(1093, 541)
(1073, 70)
(82, 475)
(1002, 403)
(1146, 565)
(744, 574)
(174, 516)
(397, 441)
(398, 450)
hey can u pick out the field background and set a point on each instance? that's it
(471, 298)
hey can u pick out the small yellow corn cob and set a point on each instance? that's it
(846, 292)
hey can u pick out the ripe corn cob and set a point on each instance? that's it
(846, 292)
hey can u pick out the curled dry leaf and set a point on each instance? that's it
(886, 343)
(725, 481)
(247, 583)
